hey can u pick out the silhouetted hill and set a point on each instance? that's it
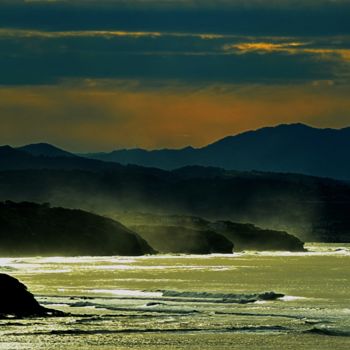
(295, 148)
(14, 159)
(250, 237)
(311, 208)
(33, 229)
(45, 149)
(243, 236)
(177, 239)
(17, 301)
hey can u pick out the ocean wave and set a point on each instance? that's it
(127, 293)
(225, 297)
(158, 297)
(329, 331)
(77, 331)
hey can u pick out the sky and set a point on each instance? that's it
(98, 75)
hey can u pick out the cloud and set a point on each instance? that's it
(292, 48)
(152, 73)
(192, 3)
(46, 57)
(27, 33)
(106, 34)
(268, 17)
(265, 47)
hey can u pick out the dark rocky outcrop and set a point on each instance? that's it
(177, 239)
(250, 237)
(36, 229)
(16, 300)
(243, 236)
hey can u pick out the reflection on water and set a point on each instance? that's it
(192, 302)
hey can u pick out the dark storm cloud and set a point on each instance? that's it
(43, 42)
(243, 17)
(40, 57)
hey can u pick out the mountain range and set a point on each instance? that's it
(45, 150)
(293, 148)
(45, 156)
(309, 207)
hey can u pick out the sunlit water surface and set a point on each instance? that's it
(186, 302)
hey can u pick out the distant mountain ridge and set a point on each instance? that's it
(287, 148)
(44, 156)
(46, 150)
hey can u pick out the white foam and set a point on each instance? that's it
(291, 298)
(127, 293)
(159, 267)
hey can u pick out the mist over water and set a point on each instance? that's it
(254, 299)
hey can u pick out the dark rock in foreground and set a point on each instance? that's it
(175, 239)
(16, 300)
(34, 229)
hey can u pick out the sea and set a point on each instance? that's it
(247, 300)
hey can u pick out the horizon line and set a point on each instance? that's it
(174, 149)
